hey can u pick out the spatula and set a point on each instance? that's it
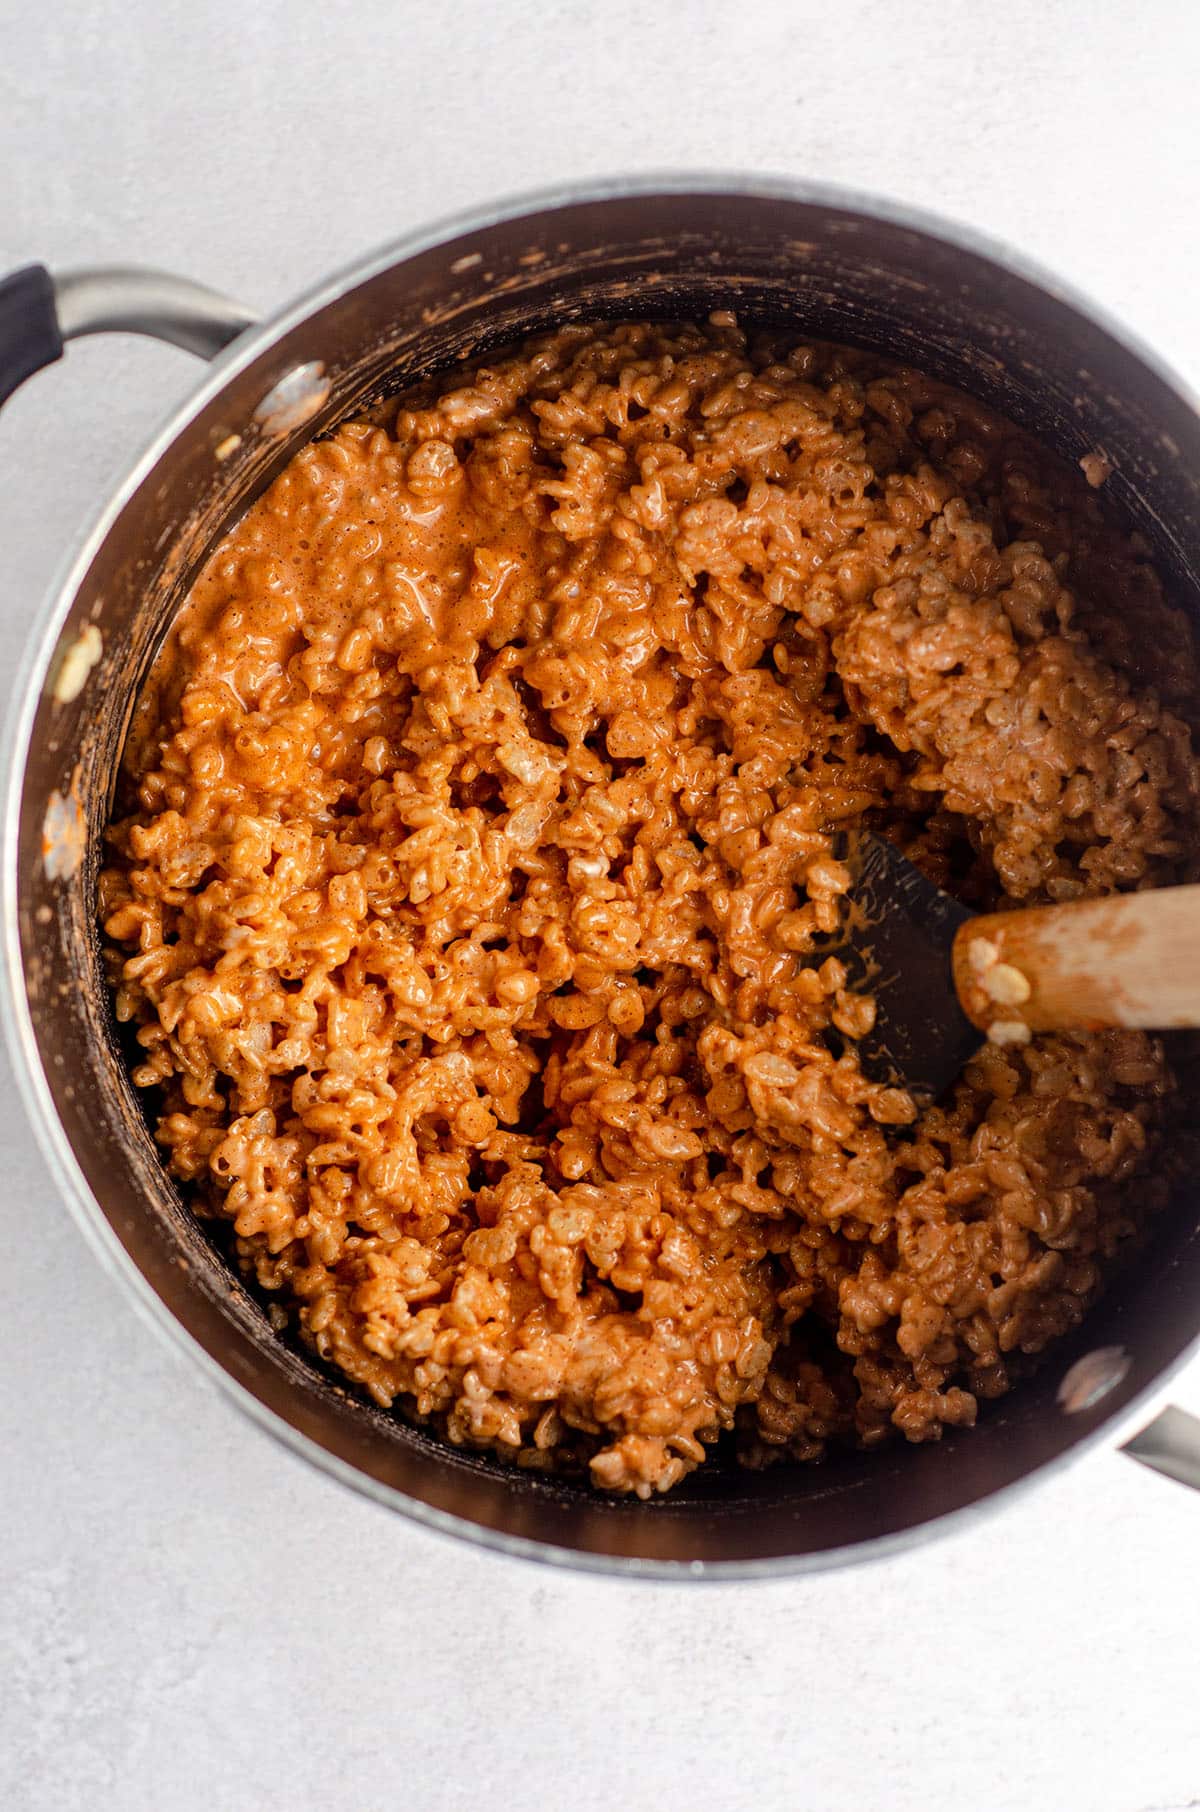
(944, 979)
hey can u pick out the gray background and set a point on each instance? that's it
(188, 1617)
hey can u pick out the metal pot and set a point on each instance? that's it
(825, 263)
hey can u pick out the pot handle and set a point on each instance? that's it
(30, 336)
(40, 313)
(1171, 1445)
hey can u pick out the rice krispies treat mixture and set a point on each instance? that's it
(475, 851)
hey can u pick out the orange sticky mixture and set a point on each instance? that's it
(476, 835)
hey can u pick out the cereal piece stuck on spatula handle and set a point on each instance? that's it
(1131, 959)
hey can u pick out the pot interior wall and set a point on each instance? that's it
(826, 272)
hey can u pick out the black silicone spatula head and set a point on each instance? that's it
(896, 940)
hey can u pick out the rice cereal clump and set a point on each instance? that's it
(475, 848)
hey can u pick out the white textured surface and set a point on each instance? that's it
(190, 1619)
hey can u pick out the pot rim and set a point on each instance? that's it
(29, 679)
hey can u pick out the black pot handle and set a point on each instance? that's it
(30, 337)
(39, 313)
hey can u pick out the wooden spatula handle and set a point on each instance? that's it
(1132, 959)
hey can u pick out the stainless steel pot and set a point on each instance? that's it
(823, 262)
